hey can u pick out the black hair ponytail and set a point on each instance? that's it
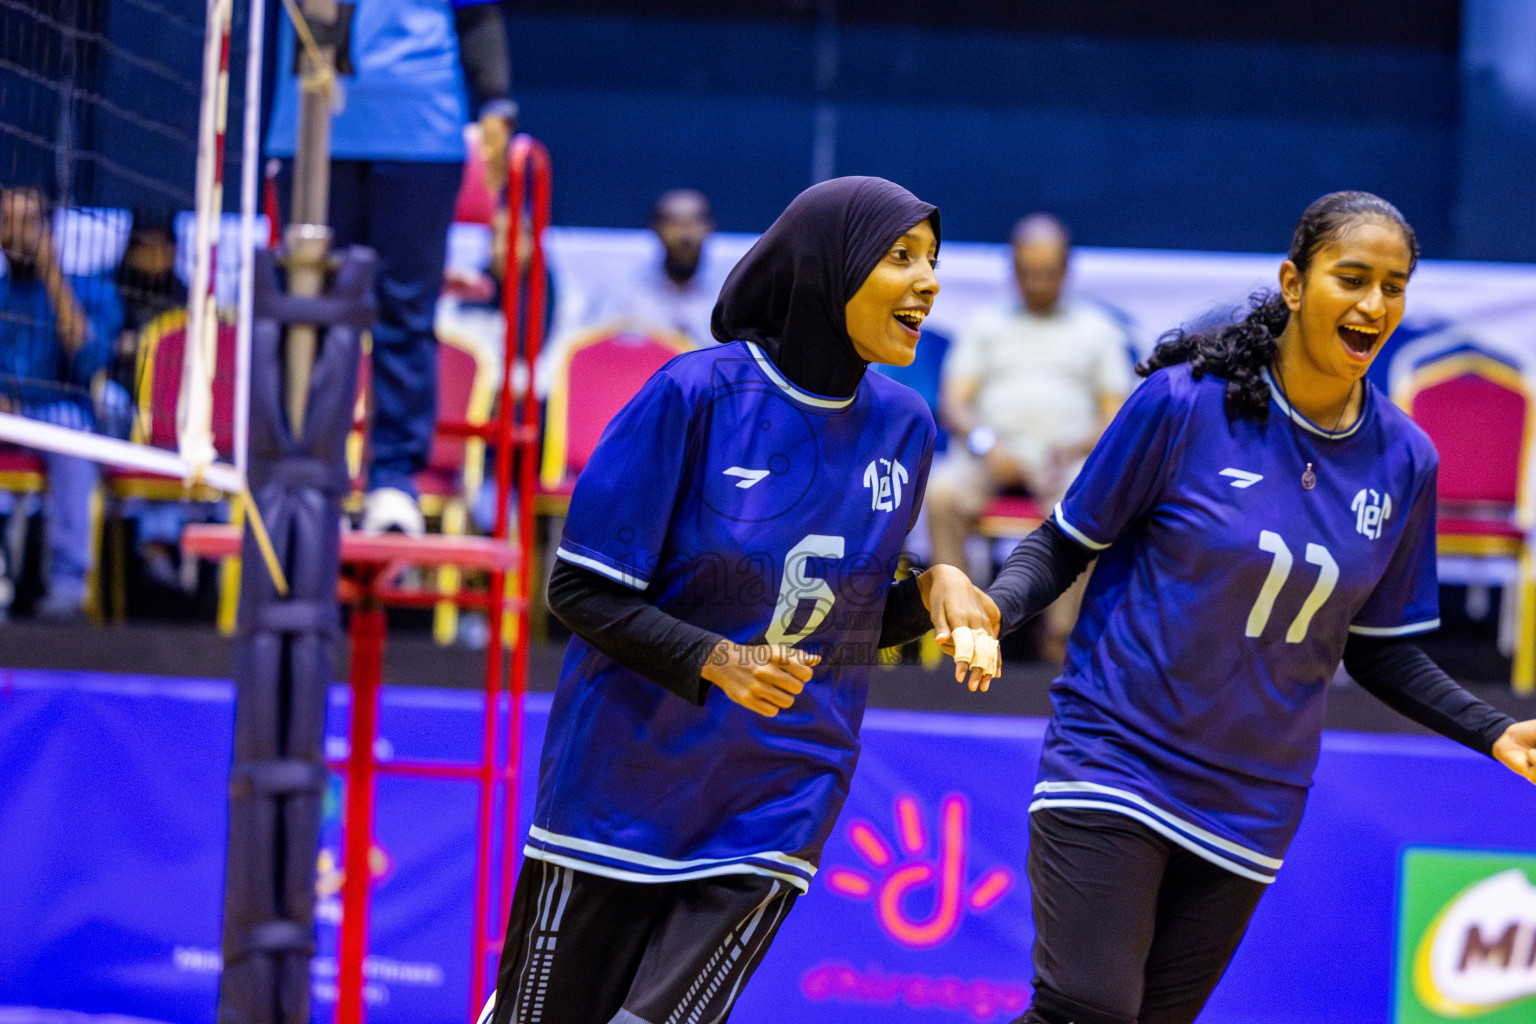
(1237, 351)
(1240, 350)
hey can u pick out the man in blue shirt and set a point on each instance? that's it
(397, 149)
(56, 332)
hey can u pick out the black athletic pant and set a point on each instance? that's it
(585, 949)
(1130, 928)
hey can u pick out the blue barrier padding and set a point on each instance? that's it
(112, 831)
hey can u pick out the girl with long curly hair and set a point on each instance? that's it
(1259, 512)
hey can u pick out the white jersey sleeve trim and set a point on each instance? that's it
(1045, 789)
(1076, 534)
(1158, 827)
(602, 568)
(1408, 630)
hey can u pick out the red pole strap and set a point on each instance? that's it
(524, 325)
(367, 637)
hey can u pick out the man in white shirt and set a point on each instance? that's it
(678, 294)
(1025, 393)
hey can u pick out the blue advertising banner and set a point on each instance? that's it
(112, 809)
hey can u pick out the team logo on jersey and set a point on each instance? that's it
(884, 478)
(1372, 510)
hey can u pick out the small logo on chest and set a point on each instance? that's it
(884, 478)
(746, 477)
(1241, 478)
(1372, 510)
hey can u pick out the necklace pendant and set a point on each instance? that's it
(1308, 478)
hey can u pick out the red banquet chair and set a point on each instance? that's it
(597, 373)
(1476, 406)
(1010, 516)
(476, 202)
(162, 351)
(467, 379)
(22, 471)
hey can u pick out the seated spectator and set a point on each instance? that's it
(149, 287)
(56, 333)
(1025, 393)
(678, 293)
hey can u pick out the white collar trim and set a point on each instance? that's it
(805, 397)
(1306, 424)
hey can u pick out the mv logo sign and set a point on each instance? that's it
(1372, 510)
(884, 478)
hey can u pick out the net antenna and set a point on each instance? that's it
(194, 406)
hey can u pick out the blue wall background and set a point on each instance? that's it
(1188, 126)
(1135, 142)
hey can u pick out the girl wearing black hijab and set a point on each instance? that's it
(727, 572)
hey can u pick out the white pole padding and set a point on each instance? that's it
(109, 450)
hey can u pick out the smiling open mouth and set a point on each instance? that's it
(910, 318)
(1359, 339)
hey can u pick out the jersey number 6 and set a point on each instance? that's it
(797, 586)
(1279, 570)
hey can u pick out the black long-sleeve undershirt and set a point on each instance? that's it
(483, 52)
(1038, 571)
(621, 623)
(1398, 673)
(1394, 670)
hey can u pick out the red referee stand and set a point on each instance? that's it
(372, 585)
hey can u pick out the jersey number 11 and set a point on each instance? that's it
(1279, 571)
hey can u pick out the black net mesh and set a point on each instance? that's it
(99, 105)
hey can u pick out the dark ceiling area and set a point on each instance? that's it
(1432, 24)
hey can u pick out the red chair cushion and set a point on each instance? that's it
(21, 460)
(165, 385)
(438, 483)
(1478, 426)
(604, 376)
(564, 489)
(475, 203)
(1478, 528)
(456, 370)
(1013, 506)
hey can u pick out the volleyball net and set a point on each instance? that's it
(125, 283)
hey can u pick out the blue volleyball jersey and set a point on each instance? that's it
(1193, 693)
(405, 99)
(746, 506)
